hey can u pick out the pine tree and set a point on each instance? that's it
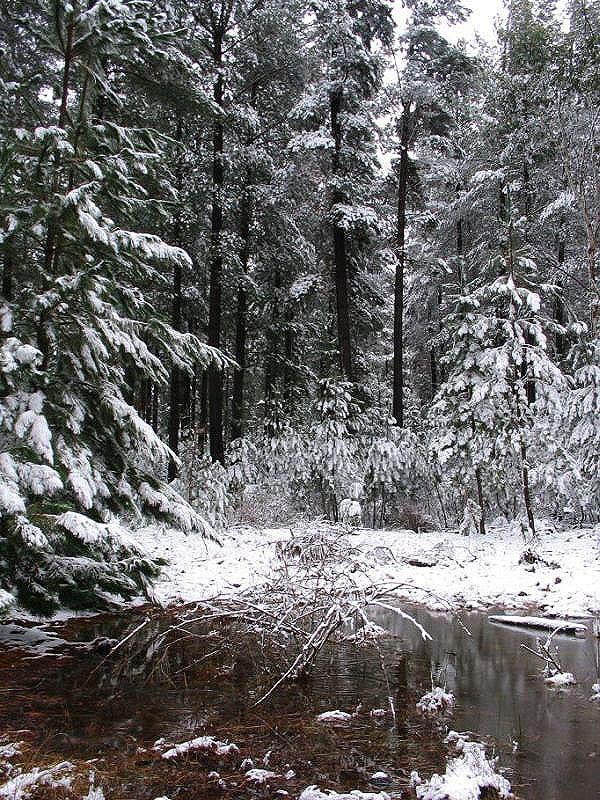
(73, 195)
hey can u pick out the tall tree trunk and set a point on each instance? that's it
(398, 371)
(480, 500)
(525, 484)
(237, 403)
(288, 372)
(559, 304)
(215, 377)
(176, 322)
(340, 257)
(7, 271)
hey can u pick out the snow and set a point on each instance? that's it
(559, 625)
(260, 776)
(18, 787)
(465, 572)
(465, 775)
(437, 701)
(334, 717)
(314, 793)
(206, 743)
(561, 679)
(595, 692)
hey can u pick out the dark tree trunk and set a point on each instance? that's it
(272, 357)
(526, 492)
(203, 426)
(398, 370)
(434, 373)
(237, 403)
(288, 372)
(7, 272)
(215, 377)
(176, 322)
(480, 501)
(340, 257)
(559, 302)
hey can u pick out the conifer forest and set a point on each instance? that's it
(300, 340)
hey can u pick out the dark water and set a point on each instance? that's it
(500, 694)
(78, 704)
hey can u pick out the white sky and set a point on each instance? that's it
(481, 20)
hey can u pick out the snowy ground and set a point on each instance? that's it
(448, 570)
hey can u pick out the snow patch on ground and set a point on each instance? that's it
(19, 786)
(314, 793)
(458, 571)
(260, 776)
(466, 775)
(207, 744)
(334, 717)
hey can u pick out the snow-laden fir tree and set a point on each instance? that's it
(500, 379)
(76, 320)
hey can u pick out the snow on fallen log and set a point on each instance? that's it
(543, 623)
(207, 744)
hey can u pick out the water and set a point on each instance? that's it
(76, 703)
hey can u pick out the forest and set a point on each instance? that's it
(299, 400)
(288, 257)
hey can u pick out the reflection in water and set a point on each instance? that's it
(500, 693)
(86, 703)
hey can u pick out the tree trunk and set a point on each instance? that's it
(398, 371)
(237, 403)
(340, 258)
(7, 272)
(559, 304)
(215, 378)
(288, 372)
(480, 500)
(176, 322)
(526, 494)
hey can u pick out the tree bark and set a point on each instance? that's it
(559, 303)
(237, 404)
(398, 369)
(480, 500)
(215, 378)
(7, 272)
(176, 322)
(340, 257)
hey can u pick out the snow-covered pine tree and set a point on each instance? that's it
(76, 319)
(500, 378)
(338, 130)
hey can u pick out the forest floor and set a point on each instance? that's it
(442, 570)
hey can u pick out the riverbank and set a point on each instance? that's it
(440, 569)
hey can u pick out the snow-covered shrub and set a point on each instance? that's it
(332, 448)
(390, 472)
(208, 491)
(437, 701)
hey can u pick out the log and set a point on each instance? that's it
(543, 623)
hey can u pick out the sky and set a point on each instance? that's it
(481, 20)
